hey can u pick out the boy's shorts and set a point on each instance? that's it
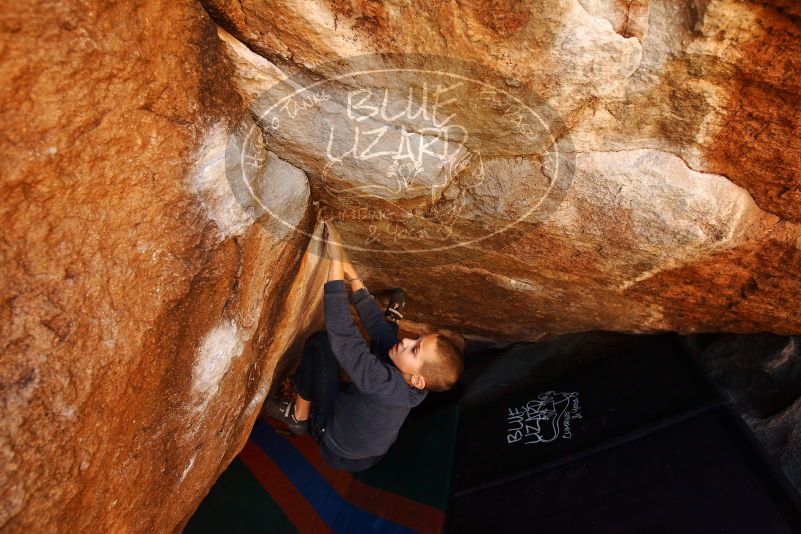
(338, 462)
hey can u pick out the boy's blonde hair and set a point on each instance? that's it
(443, 368)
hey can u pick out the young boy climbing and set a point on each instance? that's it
(356, 427)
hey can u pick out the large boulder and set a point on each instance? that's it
(144, 308)
(599, 164)
(522, 170)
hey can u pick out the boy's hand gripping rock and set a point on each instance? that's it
(333, 242)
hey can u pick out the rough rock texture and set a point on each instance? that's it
(143, 311)
(575, 165)
(761, 375)
(677, 122)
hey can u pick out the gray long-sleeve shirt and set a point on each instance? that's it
(369, 413)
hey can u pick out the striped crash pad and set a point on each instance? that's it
(279, 483)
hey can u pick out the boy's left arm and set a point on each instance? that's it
(368, 373)
(373, 320)
(370, 313)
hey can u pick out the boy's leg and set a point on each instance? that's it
(317, 380)
(302, 408)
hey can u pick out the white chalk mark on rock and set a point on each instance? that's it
(209, 182)
(219, 348)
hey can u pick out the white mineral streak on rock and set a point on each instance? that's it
(504, 281)
(666, 31)
(505, 189)
(740, 24)
(208, 181)
(256, 401)
(265, 185)
(338, 138)
(648, 208)
(218, 349)
(282, 190)
(331, 34)
(627, 18)
(595, 60)
(189, 465)
(253, 73)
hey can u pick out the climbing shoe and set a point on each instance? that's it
(397, 300)
(284, 411)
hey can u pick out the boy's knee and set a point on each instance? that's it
(318, 337)
(317, 345)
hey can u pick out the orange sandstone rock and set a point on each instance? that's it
(142, 313)
(609, 165)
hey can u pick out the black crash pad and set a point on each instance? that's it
(602, 401)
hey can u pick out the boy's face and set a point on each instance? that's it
(408, 356)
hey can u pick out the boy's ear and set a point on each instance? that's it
(418, 381)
